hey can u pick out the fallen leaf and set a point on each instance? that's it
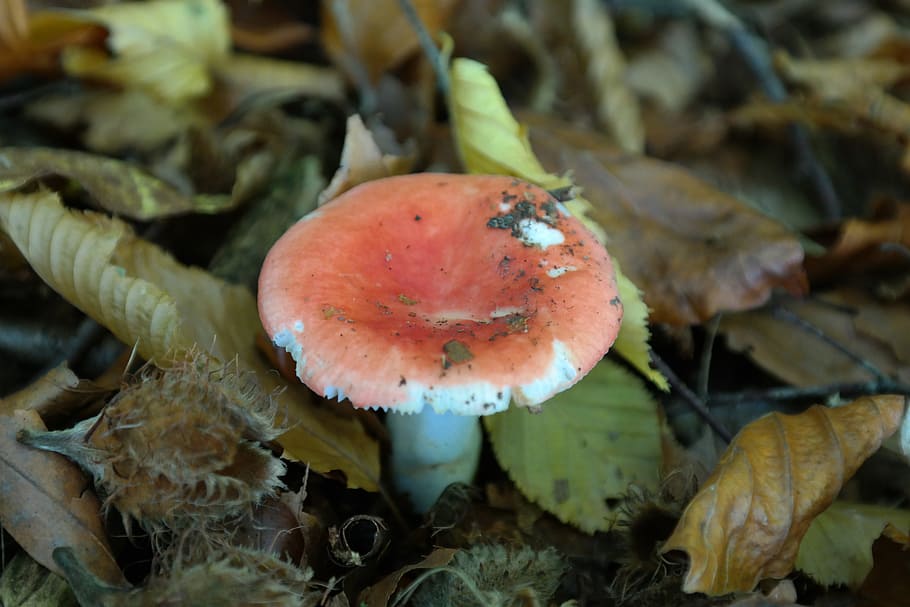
(145, 297)
(872, 329)
(651, 210)
(31, 43)
(362, 160)
(490, 141)
(246, 75)
(378, 595)
(53, 385)
(376, 36)
(26, 583)
(116, 186)
(167, 47)
(585, 447)
(46, 503)
(605, 69)
(858, 247)
(746, 522)
(837, 547)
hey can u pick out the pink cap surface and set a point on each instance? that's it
(461, 292)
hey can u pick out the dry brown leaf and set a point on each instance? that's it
(376, 36)
(874, 330)
(617, 106)
(145, 297)
(115, 186)
(745, 524)
(858, 245)
(378, 595)
(245, 75)
(362, 160)
(46, 503)
(32, 43)
(692, 250)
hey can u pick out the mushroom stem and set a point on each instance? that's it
(432, 450)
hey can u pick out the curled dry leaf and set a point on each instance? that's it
(746, 523)
(145, 297)
(362, 160)
(46, 503)
(116, 186)
(734, 256)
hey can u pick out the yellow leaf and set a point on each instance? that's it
(837, 548)
(585, 447)
(632, 341)
(145, 297)
(115, 185)
(746, 522)
(490, 140)
(167, 47)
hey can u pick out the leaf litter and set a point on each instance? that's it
(145, 112)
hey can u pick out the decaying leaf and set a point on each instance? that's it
(617, 107)
(875, 330)
(379, 594)
(491, 141)
(584, 448)
(746, 523)
(837, 547)
(26, 583)
(145, 297)
(362, 160)
(46, 503)
(376, 36)
(732, 256)
(116, 186)
(167, 47)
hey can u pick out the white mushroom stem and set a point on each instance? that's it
(432, 450)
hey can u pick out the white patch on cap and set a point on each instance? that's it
(536, 233)
(557, 272)
(504, 207)
(559, 376)
(503, 312)
(562, 209)
(298, 326)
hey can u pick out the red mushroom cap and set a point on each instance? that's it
(457, 291)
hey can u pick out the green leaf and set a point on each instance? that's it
(837, 548)
(584, 448)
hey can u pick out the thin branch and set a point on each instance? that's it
(704, 367)
(789, 316)
(695, 403)
(755, 53)
(429, 47)
(819, 392)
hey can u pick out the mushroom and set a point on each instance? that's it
(440, 298)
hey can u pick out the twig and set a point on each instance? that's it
(704, 367)
(789, 393)
(789, 316)
(691, 398)
(755, 53)
(429, 47)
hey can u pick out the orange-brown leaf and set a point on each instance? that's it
(45, 503)
(692, 249)
(745, 524)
